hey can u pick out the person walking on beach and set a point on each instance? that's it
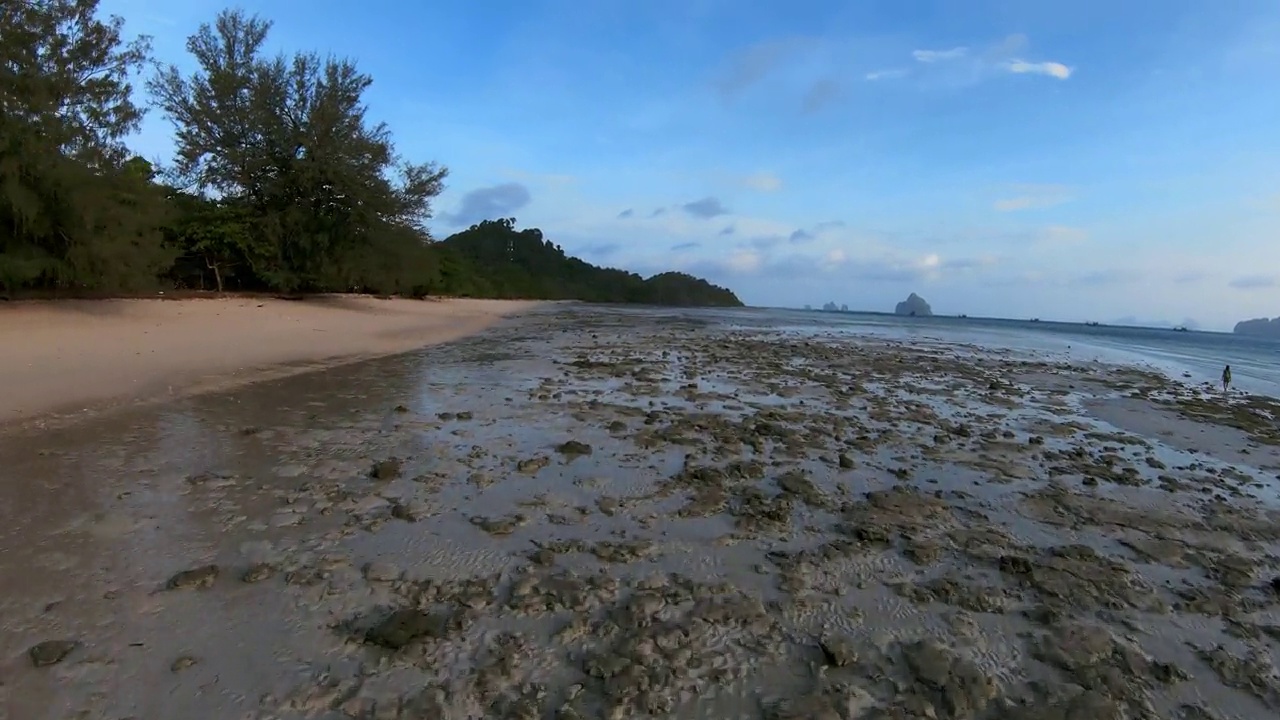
(1226, 379)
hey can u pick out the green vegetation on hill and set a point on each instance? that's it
(279, 181)
(493, 259)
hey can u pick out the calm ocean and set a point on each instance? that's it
(1255, 362)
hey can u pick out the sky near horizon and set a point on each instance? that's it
(1075, 160)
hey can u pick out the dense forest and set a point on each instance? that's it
(280, 183)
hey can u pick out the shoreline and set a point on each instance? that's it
(64, 359)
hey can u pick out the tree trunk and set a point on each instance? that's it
(217, 276)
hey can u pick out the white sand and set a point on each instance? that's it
(68, 356)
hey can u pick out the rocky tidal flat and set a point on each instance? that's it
(589, 513)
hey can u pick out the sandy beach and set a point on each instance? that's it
(66, 356)
(617, 513)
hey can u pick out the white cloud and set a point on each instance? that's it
(835, 258)
(931, 56)
(891, 74)
(1051, 69)
(763, 182)
(1004, 57)
(1032, 197)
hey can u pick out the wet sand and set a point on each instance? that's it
(589, 512)
(68, 355)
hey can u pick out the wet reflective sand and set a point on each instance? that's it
(625, 513)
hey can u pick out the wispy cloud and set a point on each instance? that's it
(1033, 197)
(889, 74)
(821, 94)
(1004, 57)
(763, 182)
(680, 247)
(728, 230)
(933, 56)
(626, 214)
(489, 203)
(1102, 278)
(1060, 236)
(1051, 69)
(764, 242)
(1255, 282)
(755, 62)
(601, 250)
(705, 208)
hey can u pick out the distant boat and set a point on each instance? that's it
(1035, 319)
(962, 315)
(1092, 323)
(1180, 328)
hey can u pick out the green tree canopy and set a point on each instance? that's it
(287, 139)
(74, 213)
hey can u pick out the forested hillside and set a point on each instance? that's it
(279, 182)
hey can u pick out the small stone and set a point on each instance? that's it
(1015, 565)
(501, 525)
(199, 578)
(573, 447)
(388, 469)
(51, 652)
(381, 572)
(839, 650)
(183, 663)
(407, 625)
(258, 573)
(846, 462)
(531, 466)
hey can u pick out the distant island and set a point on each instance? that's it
(914, 306)
(1259, 327)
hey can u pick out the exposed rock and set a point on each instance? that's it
(51, 652)
(531, 466)
(378, 571)
(404, 626)
(501, 525)
(388, 469)
(258, 573)
(573, 447)
(200, 578)
(839, 650)
(914, 306)
(182, 663)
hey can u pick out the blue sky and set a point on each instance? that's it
(1079, 159)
